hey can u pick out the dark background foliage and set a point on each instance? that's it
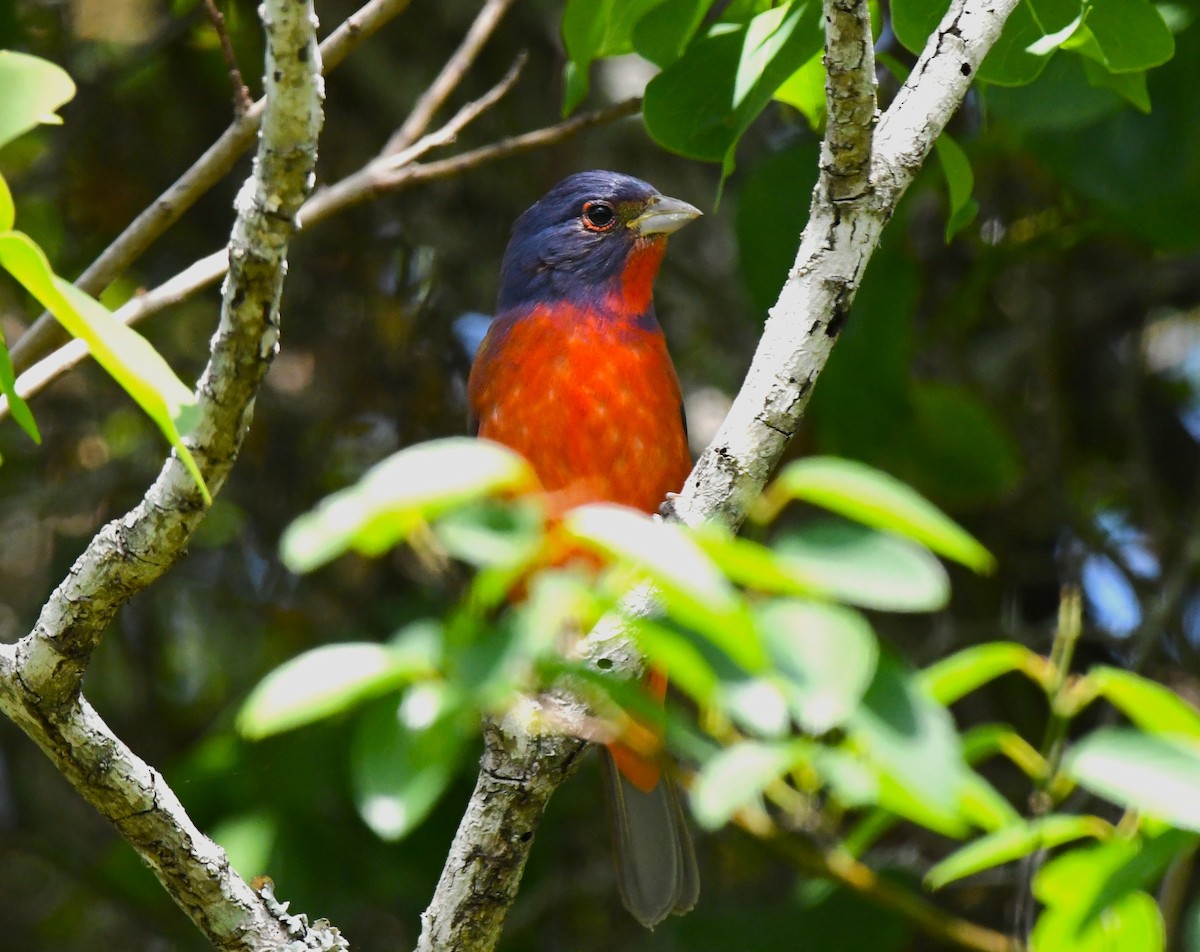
(1038, 377)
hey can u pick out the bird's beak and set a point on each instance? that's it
(664, 216)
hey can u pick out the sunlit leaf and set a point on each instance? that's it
(1153, 773)
(695, 590)
(126, 355)
(967, 670)
(8, 211)
(404, 756)
(33, 89)
(396, 496)
(826, 653)
(860, 566)
(593, 29)
(1094, 899)
(702, 104)
(490, 534)
(1152, 707)
(326, 681)
(754, 566)
(1012, 843)
(736, 777)
(805, 90)
(1125, 36)
(874, 498)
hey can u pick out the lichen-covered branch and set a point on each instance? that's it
(862, 179)
(40, 676)
(519, 771)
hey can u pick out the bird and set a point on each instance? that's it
(574, 374)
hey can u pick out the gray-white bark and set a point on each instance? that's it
(40, 676)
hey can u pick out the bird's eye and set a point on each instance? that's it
(598, 216)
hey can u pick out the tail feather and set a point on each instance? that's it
(655, 860)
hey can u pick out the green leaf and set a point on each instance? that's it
(1156, 774)
(696, 592)
(33, 89)
(1129, 86)
(126, 355)
(805, 90)
(8, 211)
(16, 405)
(736, 777)
(874, 498)
(857, 565)
(775, 195)
(969, 669)
(403, 492)
(1032, 32)
(593, 29)
(1012, 843)
(1133, 924)
(665, 31)
(701, 105)
(324, 682)
(487, 533)
(913, 743)
(753, 566)
(1130, 35)
(1151, 706)
(959, 181)
(403, 757)
(1092, 895)
(826, 653)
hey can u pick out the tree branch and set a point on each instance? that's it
(40, 675)
(449, 78)
(861, 181)
(45, 334)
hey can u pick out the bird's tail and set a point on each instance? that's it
(655, 860)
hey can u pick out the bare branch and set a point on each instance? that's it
(210, 269)
(450, 77)
(366, 181)
(241, 95)
(45, 334)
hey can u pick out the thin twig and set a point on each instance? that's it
(45, 334)
(449, 77)
(241, 94)
(211, 268)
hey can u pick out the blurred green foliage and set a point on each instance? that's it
(1031, 367)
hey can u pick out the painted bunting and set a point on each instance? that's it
(574, 374)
